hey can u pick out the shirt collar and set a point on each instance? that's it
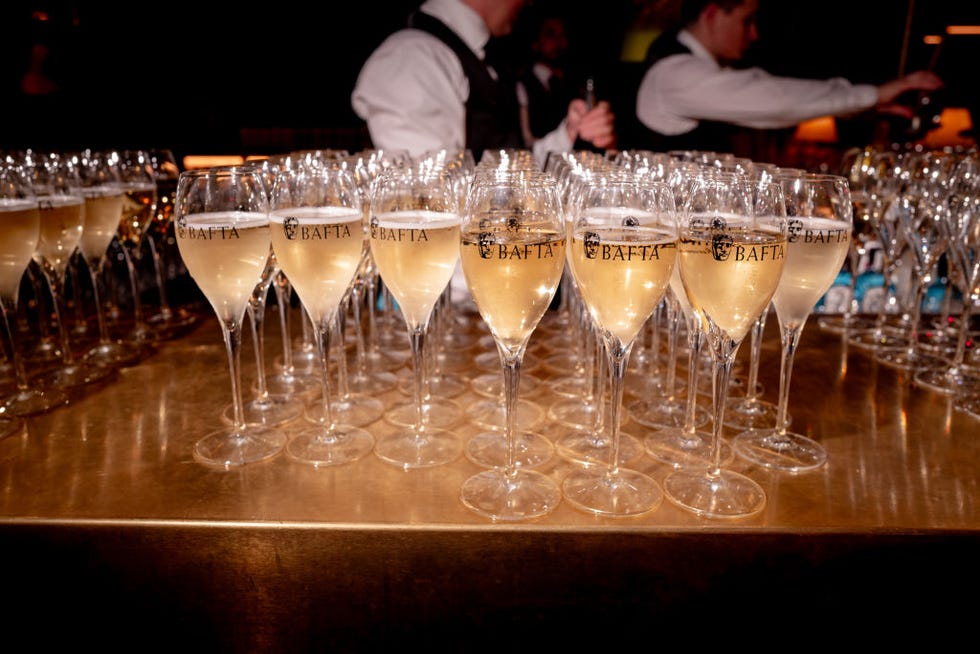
(463, 20)
(688, 39)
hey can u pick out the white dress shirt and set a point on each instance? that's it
(681, 89)
(412, 90)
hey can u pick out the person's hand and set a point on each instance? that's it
(596, 126)
(889, 92)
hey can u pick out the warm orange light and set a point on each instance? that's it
(192, 161)
(818, 130)
(932, 39)
(953, 122)
(968, 30)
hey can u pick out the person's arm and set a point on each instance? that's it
(411, 91)
(889, 92)
(593, 125)
(682, 89)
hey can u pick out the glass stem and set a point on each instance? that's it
(964, 329)
(343, 388)
(694, 340)
(232, 331)
(617, 357)
(596, 358)
(723, 356)
(755, 354)
(8, 307)
(674, 325)
(323, 336)
(417, 337)
(512, 376)
(372, 297)
(134, 287)
(283, 293)
(790, 336)
(57, 291)
(157, 259)
(95, 274)
(256, 314)
(910, 348)
(357, 294)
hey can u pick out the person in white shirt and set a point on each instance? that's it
(428, 88)
(692, 98)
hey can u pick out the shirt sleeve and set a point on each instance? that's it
(680, 90)
(554, 141)
(412, 93)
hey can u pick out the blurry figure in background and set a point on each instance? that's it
(428, 87)
(548, 82)
(692, 97)
(543, 88)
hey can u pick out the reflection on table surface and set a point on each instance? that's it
(900, 458)
(105, 516)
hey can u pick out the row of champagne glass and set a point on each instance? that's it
(66, 213)
(919, 208)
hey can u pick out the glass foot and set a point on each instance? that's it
(410, 449)
(321, 447)
(439, 414)
(489, 450)
(584, 447)
(231, 448)
(681, 449)
(523, 495)
(721, 494)
(786, 451)
(34, 401)
(617, 493)
(265, 413)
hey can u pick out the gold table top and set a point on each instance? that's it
(901, 459)
(113, 535)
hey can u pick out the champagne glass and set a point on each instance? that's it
(924, 223)
(222, 227)
(623, 249)
(287, 383)
(860, 166)
(513, 255)
(414, 232)
(20, 225)
(819, 217)
(751, 411)
(265, 408)
(687, 445)
(169, 321)
(139, 202)
(957, 377)
(103, 206)
(62, 203)
(317, 237)
(731, 255)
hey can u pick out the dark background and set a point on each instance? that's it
(192, 75)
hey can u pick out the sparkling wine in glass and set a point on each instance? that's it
(222, 227)
(623, 249)
(819, 213)
(103, 205)
(732, 249)
(62, 204)
(317, 237)
(513, 255)
(20, 226)
(414, 232)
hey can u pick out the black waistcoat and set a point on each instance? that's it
(709, 135)
(491, 109)
(547, 107)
